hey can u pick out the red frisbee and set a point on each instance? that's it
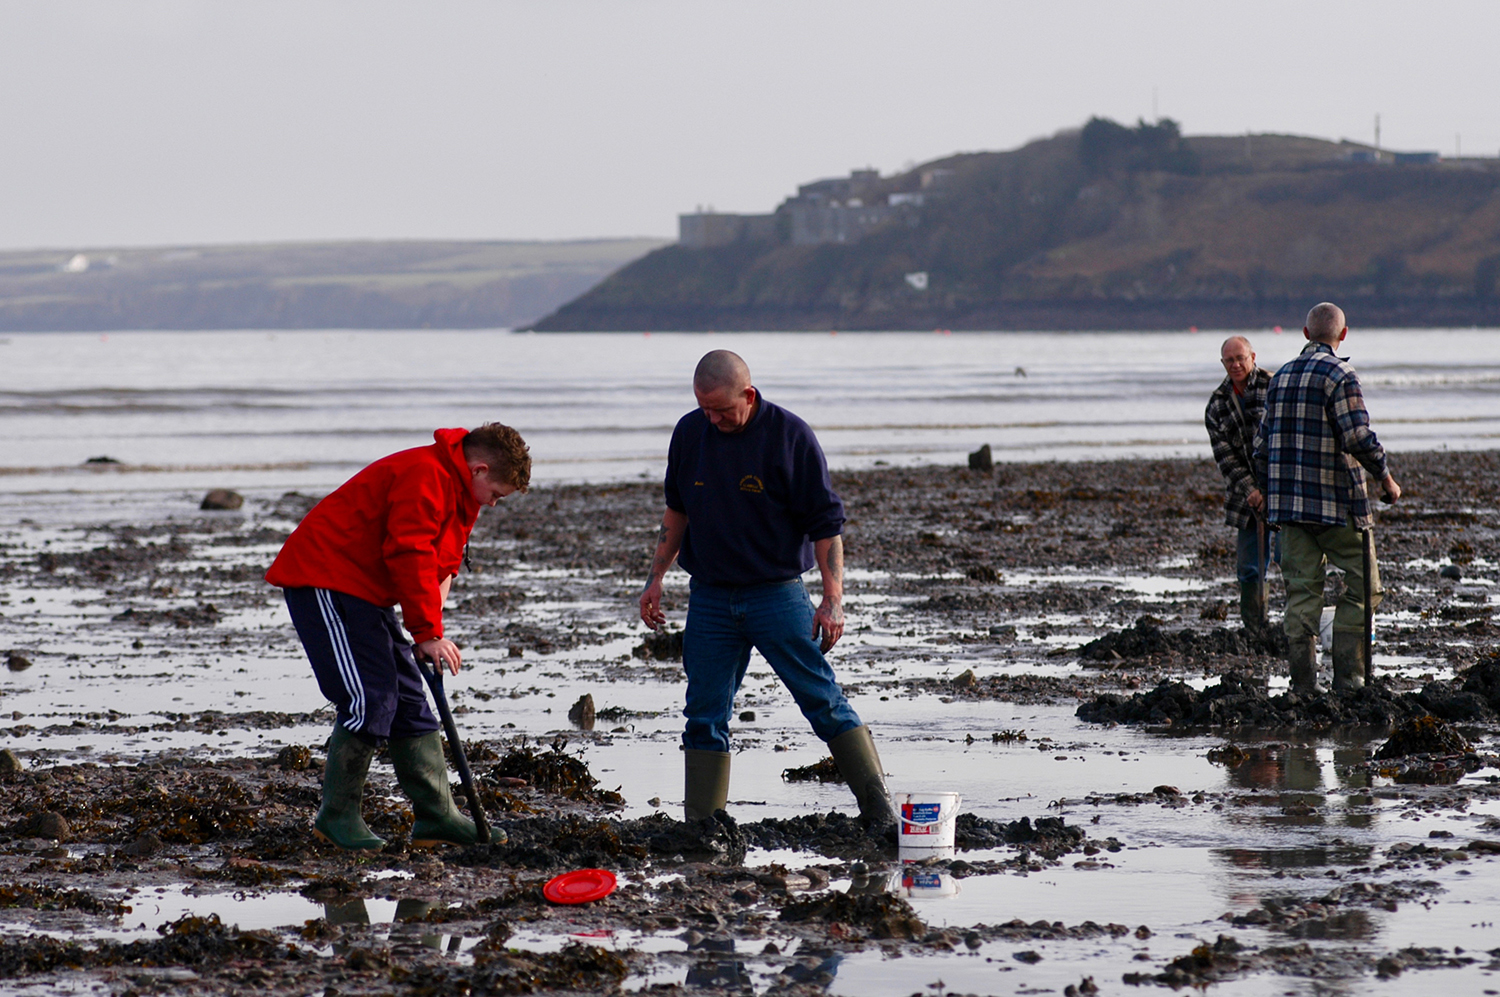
(580, 886)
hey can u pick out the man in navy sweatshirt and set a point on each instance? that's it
(750, 507)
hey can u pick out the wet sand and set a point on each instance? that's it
(167, 742)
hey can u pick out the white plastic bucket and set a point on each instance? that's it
(926, 819)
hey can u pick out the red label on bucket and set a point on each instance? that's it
(922, 880)
(927, 813)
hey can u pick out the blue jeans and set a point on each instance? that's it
(723, 623)
(1248, 568)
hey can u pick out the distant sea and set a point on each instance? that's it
(264, 413)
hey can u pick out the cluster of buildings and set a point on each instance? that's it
(838, 210)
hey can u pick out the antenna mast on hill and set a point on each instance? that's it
(1377, 133)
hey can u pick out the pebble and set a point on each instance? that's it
(17, 662)
(10, 762)
(222, 498)
(50, 824)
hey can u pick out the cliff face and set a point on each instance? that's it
(1233, 232)
(370, 285)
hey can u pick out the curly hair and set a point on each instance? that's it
(504, 451)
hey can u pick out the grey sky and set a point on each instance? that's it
(168, 122)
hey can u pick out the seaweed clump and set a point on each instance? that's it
(826, 770)
(882, 914)
(554, 771)
(1426, 735)
(578, 968)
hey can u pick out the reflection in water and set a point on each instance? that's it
(352, 910)
(718, 973)
(922, 884)
(1297, 771)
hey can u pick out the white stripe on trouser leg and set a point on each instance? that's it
(343, 656)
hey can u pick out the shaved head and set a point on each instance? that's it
(1325, 323)
(721, 369)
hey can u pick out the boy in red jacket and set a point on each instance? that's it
(395, 533)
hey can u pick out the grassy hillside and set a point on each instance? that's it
(412, 284)
(1159, 232)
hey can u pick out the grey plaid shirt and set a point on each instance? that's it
(1313, 441)
(1231, 430)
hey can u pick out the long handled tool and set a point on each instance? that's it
(433, 673)
(1263, 626)
(1367, 545)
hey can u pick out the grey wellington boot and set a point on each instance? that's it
(859, 764)
(1253, 607)
(339, 820)
(1302, 656)
(1348, 660)
(705, 783)
(423, 774)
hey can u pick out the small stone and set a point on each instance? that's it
(50, 824)
(10, 762)
(1029, 957)
(1166, 791)
(966, 679)
(582, 712)
(17, 662)
(222, 498)
(146, 845)
(293, 758)
(1143, 932)
(1454, 572)
(747, 717)
(982, 459)
(1388, 967)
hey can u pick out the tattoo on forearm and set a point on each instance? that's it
(836, 558)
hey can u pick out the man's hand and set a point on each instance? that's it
(442, 651)
(651, 613)
(668, 543)
(1256, 500)
(1389, 490)
(828, 620)
(828, 623)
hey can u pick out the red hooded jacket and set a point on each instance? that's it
(390, 534)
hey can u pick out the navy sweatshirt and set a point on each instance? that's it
(755, 500)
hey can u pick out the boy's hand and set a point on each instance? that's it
(440, 650)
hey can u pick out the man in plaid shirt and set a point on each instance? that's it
(1311, 453)
(1232, 416)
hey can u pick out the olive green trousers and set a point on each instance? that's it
(1306, 551)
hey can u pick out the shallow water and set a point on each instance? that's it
(188, 411)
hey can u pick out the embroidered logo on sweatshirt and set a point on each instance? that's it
(750, 483)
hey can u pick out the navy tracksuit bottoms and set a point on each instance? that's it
(363, 662)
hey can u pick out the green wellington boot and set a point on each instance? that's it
(1348, 660)
(705, 783)
(423, 774)
(1302, 657)
(859, 764)
(339, 819)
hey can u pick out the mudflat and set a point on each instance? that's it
(1144, 801)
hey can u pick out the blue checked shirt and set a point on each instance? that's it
(1313, 441)
(1231, 423)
